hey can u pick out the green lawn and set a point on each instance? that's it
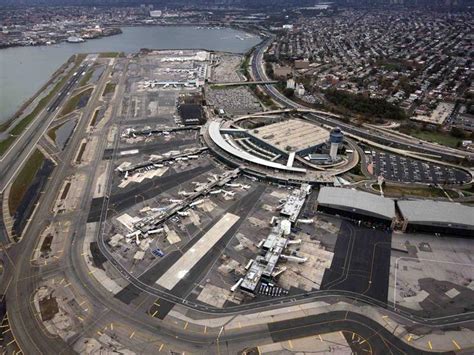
(52, 132)
(86, 77)
(6, 143)
(109, 54)
(421, 191)
(94, 118)
(437, 137)
(109, 89)
(71, 105)
(24, 180)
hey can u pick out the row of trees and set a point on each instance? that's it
(359, 103)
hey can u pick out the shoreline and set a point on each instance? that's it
(16, 115)
(210, 25)
(7, 125)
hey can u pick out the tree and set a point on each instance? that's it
(288, 92)
(458, 132)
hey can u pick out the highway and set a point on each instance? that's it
(23, 278)
(379, 136)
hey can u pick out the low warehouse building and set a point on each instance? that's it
(437, 217)
(357, 205)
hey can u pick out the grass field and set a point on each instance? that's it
(52, 132)
(71, 105)
(6, 143)
(109, 54)
(94, 118)
(87, 76)
(21, 126)
(437, 137)
(421, 191)
(24, 180)
(109, 89)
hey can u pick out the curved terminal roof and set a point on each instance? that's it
(217, 138)
(357, 202)
(437, 213)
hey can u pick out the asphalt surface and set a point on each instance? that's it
(241, 208)
(32, 194)
(104, 309)
(361, 262)
(24, 275)
(4, 240)
(153, 147)
(397, 168)
(128, 197)
(380, 340)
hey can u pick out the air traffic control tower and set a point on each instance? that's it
(335, 138)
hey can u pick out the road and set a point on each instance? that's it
(411, 144)
(24, 278)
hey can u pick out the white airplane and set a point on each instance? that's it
(183, 213)
(133, 234)
(249, 264)
(305, 221)
(175, 201)
(196, 203)
(159, 209)
(237, 284)
(156, 231)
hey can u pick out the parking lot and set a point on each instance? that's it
(233, 100)
(464, 121)
(397, 168)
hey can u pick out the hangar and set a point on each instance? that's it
(437, 217)
(357, 205)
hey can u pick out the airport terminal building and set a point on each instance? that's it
(358, 205)
(437, 217)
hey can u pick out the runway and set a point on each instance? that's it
(104, 309)
(241, 208)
